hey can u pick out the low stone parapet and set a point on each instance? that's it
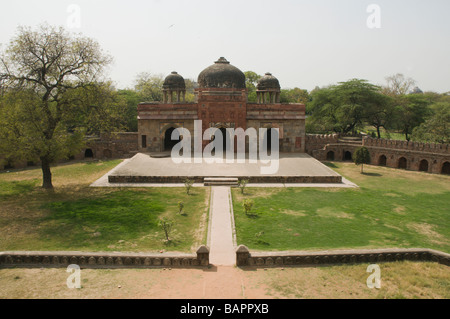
(330, 179)
(303, 258)
(48, 259)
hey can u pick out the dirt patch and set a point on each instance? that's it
(391, 195)
(200, 232)
(400, 210)
(212, 283)
(428, 231)
(300, 213)
(394, 227)
(398, 280)
(331, 212)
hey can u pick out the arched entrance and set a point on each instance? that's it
(330, 156)
(168, 142)
(226, 140)
(423, 166)
(445, 168)
(88, 153)
(268, 140)
(8, 165)
(347, 156)
(382, 160)
(402, 163)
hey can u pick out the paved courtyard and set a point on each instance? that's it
(298, 170)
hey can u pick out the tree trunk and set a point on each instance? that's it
(378, 132)
(46, 174)
(362, 168)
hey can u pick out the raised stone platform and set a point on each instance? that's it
(293, 168)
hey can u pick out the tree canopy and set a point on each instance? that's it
(46, 76)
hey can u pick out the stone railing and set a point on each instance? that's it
(318, 141)
(48, 259)
(405, 145)
(302, 258)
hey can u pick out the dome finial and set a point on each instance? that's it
(222, 60)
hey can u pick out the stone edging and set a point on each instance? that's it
(48, 259)
(301, 258)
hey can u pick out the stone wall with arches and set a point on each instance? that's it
(425, 157)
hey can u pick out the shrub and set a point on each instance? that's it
(361, 156)
(248, 205)
(242, 184)
(166, 225)
(188, 184)
(180, 207)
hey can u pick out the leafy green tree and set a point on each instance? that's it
(344, 107)
(101, 108)
(321, 112)
(149, 87)
(191, 85)
(361, 156)
(251, 81)
(354, 98)
(131, 99)
(436, 128)
(45, 68)
(410, 111)
(380, 114)
(295, 95)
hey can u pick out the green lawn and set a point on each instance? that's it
(389, 135)
(392, 208)
(77, 217)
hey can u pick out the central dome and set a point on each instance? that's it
(222, 75)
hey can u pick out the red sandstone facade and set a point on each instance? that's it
(221, 102)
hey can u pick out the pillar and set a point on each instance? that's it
(203, 255)
(242, 255)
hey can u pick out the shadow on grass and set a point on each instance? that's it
(170, 243)
(117, 215)
(15, 188)
(372, 174)
(329, 164)
(192, 194)
(252, 215)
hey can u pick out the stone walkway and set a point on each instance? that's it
(221, 238)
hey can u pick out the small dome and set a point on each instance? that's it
(174, 81)
(222, 75)
(268, 82)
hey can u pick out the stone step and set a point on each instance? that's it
(221, 181)
(231, 184)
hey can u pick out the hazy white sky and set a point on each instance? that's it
(303, 43)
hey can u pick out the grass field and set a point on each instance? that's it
(389, 135)
(77, 217)
(399, 280)
(392, 208)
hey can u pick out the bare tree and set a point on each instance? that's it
(50, 64)
(398, 84)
